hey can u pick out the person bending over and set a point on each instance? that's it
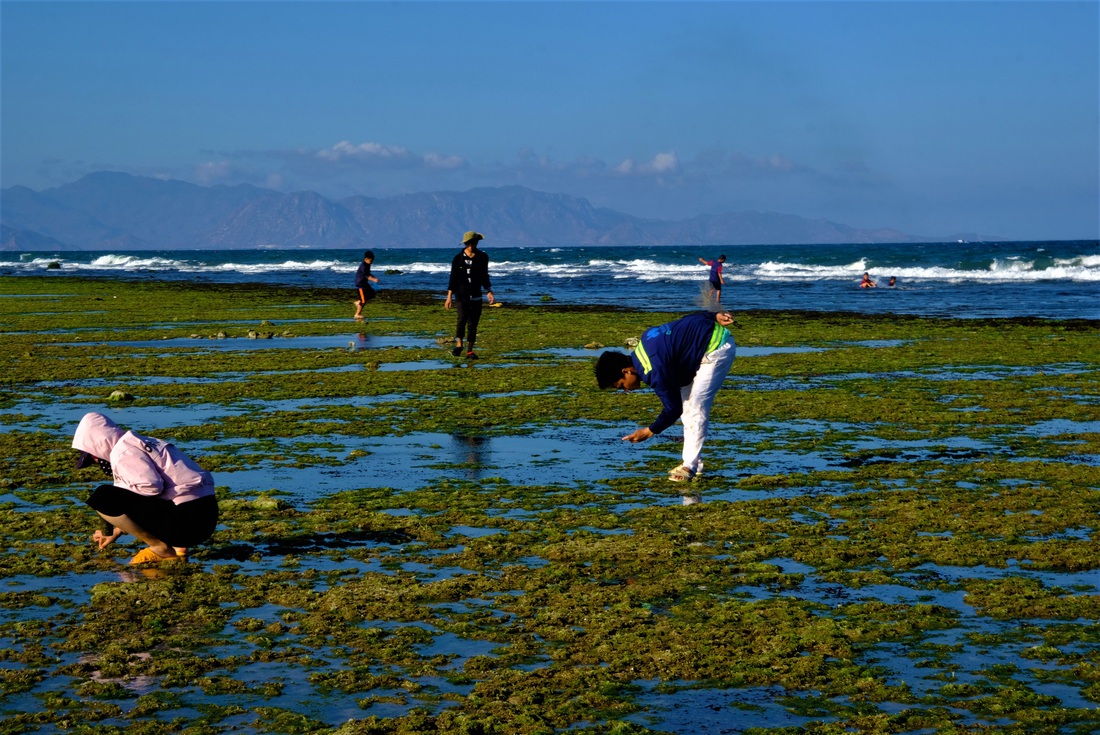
(684, 362)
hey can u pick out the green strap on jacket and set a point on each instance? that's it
(643, 358)
(717, 337)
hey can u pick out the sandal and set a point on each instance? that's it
(682, 474)
(698, 472)
(148, 556)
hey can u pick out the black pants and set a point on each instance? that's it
(469, 314)
(180, 525)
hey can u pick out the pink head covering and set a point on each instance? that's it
(96, 436)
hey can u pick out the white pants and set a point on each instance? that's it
(698, 397)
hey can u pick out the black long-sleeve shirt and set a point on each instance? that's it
(469, 275)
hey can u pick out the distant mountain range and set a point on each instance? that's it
(108, 211)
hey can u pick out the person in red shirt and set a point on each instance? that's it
(716, 279)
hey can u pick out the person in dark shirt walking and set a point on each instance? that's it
(363, 280)
(469, 275)
(685, 363)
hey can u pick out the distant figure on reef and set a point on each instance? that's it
(716, 279)
(363, 280)
(867, 282)
(159, 495)
(469, 275)
(893, 281)
(684, 362)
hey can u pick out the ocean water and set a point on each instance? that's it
(1059, 279)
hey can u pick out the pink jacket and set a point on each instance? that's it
(140, 464)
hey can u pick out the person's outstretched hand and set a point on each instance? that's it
(104, 540)
(724, 318)
(638, 436)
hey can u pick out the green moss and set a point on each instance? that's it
(902, 460)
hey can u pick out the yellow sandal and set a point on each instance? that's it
(148, 556)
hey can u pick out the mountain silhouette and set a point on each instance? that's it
(109, 210)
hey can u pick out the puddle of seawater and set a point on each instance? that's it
(925, 667)
(714, 711)
(906, 663)
(236, 324)
(879, 342)
(152, 420)
(958, 373)
(471, 532)
(409, 462)
(547, 456)
(389, 367)
(955, 575)
(584, 352)
(471, 606)
(352, 342)
(831, 594)
(1058, 427)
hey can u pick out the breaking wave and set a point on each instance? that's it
(648, 270)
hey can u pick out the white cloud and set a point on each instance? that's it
(435, 160)
(661, 164)
(664, 163)
(213, 172)
(378, 154)
(344, 150)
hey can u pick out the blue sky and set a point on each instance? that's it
(933, 118)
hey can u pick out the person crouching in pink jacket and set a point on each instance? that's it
(159, 495)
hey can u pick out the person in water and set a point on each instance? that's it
(867, 282)
(158, 494)
(716, 278)
(685, 363)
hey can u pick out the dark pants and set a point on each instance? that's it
(366, 293)
(469, 314)
(180, 525)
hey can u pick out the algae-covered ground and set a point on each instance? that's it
(896, 533)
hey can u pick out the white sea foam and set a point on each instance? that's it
(1086, 261)
(1081, 268)
(335, 266)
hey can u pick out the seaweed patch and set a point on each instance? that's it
(896, 530)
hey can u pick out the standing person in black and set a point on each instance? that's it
(469, 274)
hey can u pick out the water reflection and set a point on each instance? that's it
(471, 452)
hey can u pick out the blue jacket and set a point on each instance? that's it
(668, 357)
